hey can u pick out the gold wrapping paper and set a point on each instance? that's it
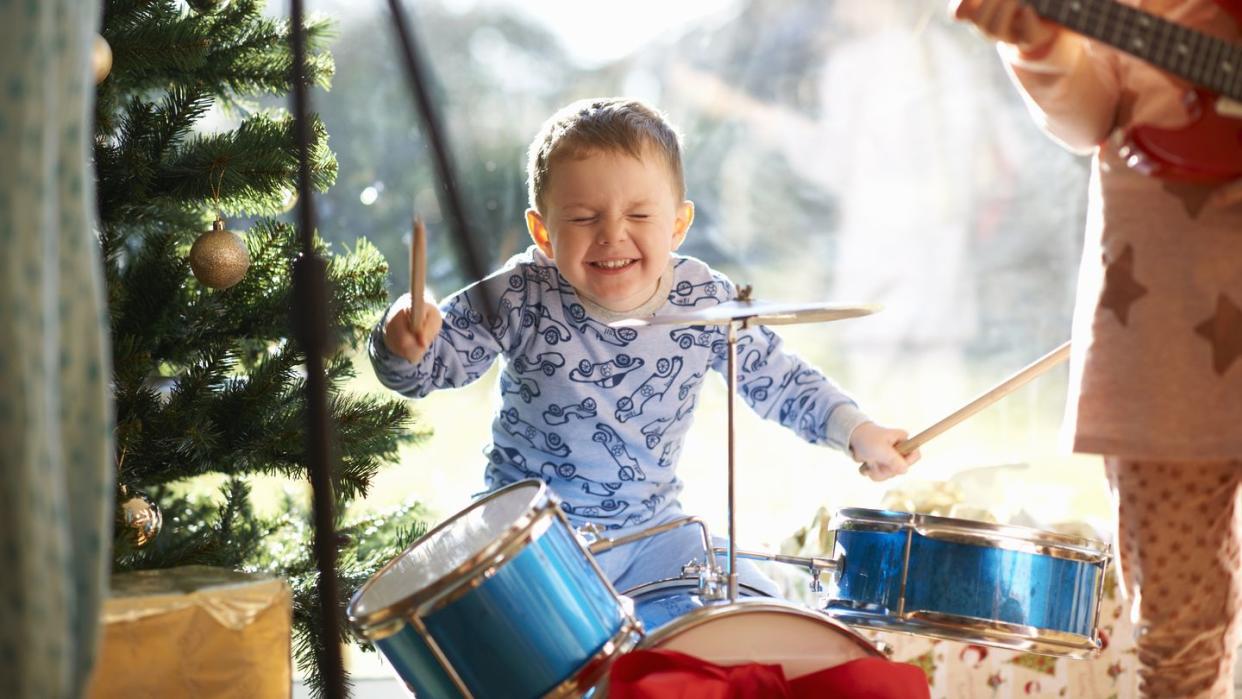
(195, 631)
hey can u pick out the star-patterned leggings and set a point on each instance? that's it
(1178, 540)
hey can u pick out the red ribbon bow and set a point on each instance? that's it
(666, 674)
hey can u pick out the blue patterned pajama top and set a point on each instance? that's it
(600, 413)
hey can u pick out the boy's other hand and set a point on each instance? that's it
(405, 342)
(875, 447)
(1008, 21)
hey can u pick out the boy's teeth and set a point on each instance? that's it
(612, 264)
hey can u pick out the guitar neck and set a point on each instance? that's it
(1197, 57)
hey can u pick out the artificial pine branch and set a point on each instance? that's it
(208, 382)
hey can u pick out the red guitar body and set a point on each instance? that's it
(1208, 149)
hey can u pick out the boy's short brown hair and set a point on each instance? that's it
(611, 124)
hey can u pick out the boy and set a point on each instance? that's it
(598, 412)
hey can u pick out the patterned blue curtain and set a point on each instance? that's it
(55, 414)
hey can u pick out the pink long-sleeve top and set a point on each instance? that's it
(1156, 367)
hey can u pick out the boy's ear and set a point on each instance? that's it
(681, 225)
(538, 232)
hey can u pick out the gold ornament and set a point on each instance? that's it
(138, 519)
(219, 258)
(204, 7)
(101, 58)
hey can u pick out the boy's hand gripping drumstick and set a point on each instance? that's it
(418, 274)
(1026, 374)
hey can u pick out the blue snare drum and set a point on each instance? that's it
(659, 602)
(502, 600)
(1001, 585)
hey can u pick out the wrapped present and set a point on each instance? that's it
(195, 631)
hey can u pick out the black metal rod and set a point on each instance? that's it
(418, 78)
(310, 322)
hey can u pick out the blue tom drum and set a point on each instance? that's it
(502, 600)
(1001, 585)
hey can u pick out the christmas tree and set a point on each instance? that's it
(207, 378)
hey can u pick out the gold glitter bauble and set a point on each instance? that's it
(138, 519)
(101, 59)
(219, 258)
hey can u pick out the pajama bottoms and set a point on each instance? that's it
(661, 557)
(1178, 543)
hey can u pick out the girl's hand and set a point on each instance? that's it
(404, 341)
(875, 447)
(1009, 21)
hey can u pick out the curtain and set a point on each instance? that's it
(55, 417)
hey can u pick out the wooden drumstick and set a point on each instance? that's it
(1009, 385)
(418, 273)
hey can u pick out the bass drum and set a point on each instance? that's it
(767, 631)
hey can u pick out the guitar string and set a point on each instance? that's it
(1203, 61)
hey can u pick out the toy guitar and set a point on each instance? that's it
(1209, 148)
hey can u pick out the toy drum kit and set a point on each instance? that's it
(505, 599)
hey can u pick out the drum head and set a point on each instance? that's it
(767, 631)
(449, 547)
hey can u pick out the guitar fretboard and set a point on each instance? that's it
(1202, 59)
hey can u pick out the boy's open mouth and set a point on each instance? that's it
(612, 265)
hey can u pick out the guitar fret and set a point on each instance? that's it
(1201, 54)
(1200, 58)
(1187, 40)
(1102, 24)
(1163, 53)
(1211, 63)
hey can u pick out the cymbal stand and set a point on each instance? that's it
(743, 294)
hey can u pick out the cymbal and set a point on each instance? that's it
(756, 313)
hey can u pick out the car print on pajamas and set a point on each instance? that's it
(546, 362)
(577, 317)
(458, 331)
(499, 457)
(756, 391)
(654, 430)
(607, 508)
(569, 472)
(560, 414)
(690, 295)
(668, 456)
(521, 386)
(606, 374)
(549, 442)
(655, 386)
(701, 336)
(752, 358)
(627, 466)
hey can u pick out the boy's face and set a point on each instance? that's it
(610, 223)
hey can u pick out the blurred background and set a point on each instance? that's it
(855, 152)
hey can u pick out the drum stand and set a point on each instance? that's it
(740, 314)
(734, 326)
(815, 565)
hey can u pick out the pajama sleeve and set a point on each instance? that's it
(466, 345)
(1072, 92)
(782, 387)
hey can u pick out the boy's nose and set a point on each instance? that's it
(610, 232)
